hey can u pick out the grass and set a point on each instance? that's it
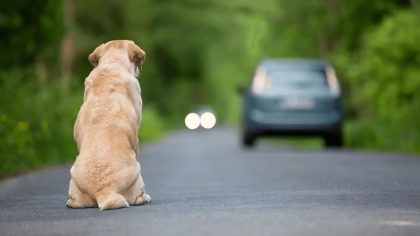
(297, 142)
(36, 123)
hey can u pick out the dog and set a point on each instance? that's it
(106, 173)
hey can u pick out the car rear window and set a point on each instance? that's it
(297, 79)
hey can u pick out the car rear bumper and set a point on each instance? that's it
(293, 123)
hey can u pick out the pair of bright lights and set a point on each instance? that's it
(207, 120)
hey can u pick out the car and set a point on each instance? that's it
(293, 97)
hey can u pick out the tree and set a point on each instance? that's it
(30, 31)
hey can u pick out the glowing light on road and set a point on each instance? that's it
(208, 120)
(192, 121)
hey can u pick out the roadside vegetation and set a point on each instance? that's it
(199, 52)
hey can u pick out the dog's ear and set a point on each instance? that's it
(136, 54)
(96, 55)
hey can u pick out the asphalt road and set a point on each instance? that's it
(203, 183)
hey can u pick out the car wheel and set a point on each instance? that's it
(248, 140)
(334, 140)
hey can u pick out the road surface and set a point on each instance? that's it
(203, 183)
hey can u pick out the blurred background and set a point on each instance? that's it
(199, 52)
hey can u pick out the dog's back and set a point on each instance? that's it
(106, 135)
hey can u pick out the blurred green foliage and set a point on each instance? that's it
(385, 84)
(35, 122)
(198, 52)
(154, 128)
(30, 32)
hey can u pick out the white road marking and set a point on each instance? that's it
(400, 223)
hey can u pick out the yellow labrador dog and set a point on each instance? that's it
(106, 173)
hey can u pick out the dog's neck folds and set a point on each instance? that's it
(119, 61)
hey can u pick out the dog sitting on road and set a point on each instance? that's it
(106, 173)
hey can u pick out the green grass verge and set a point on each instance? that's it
(36, 123)
(396, 136)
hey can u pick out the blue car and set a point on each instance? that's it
(293, 97)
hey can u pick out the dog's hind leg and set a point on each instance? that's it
(143, 199)
(77, 199)
(136, 195)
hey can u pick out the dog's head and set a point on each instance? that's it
(118, 50)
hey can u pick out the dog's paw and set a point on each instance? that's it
(144, 198)
(147, 198)
(68, 204)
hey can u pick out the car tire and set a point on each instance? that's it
(334, 140)
(248, 140)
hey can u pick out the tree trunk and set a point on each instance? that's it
(327, 40)
(415, 5)
(68, 42)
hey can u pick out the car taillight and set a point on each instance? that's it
(333, 82)
(260, 81)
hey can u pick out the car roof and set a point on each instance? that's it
(308, 64)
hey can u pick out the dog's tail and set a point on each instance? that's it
(108, 200)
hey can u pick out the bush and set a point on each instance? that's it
(36, 123)
(389, 68)
(152, 125)
(383, 83)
